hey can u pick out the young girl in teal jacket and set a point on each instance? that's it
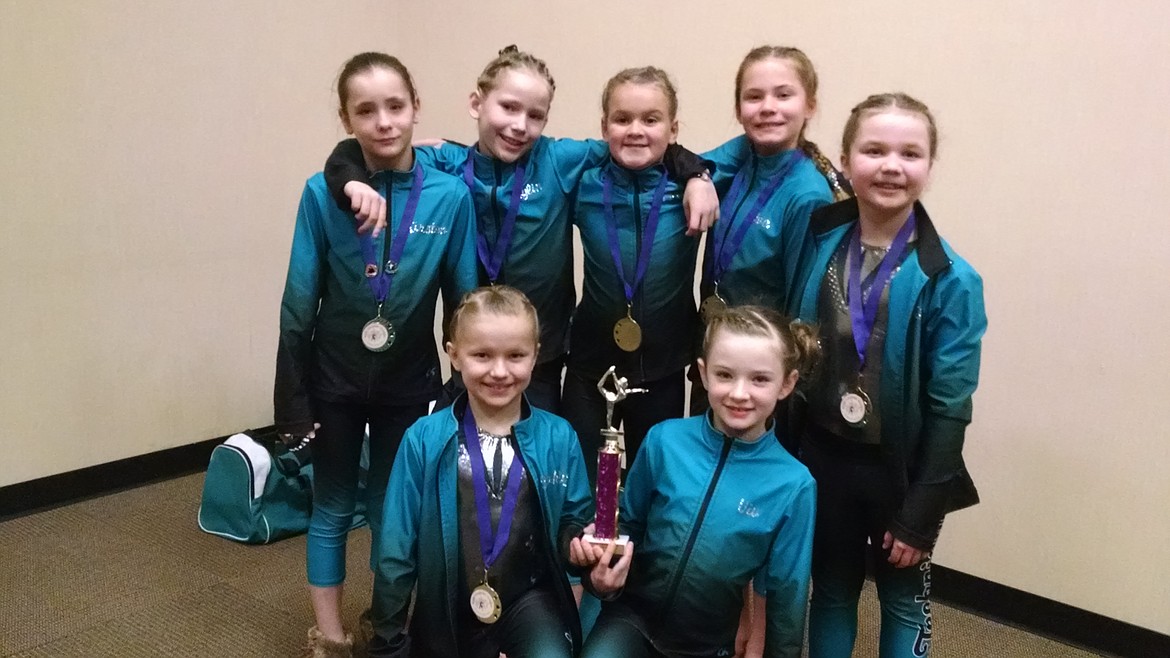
(881, 424)
(770, 179)
(483, 501)
(637, 309)
(357, 342)
(713, 502)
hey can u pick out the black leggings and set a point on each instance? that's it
(531, 627)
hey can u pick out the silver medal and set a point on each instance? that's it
(854, 408)
(378, 335)
(485, 603)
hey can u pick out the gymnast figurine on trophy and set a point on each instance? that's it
(609, 466)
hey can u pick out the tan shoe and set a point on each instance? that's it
(320, 646)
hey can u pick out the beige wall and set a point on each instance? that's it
(153, 159)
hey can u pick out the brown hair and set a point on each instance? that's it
(498, 300)
(510, 58)
(799, 347)
(645, 75)
(878, 103)
(363, 62)
(800, 61)
(807, 74)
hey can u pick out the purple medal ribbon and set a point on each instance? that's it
(643, 261)
(380, 284)
(493, 260)
(724, 250)
(489, 545)
(863, 315)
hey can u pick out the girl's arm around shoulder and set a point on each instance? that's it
(344, 164)
(570, 158)
(727, 159)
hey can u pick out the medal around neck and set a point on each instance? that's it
(712, 306)
(609, 467)
(855, 407)
(485, 604)
(378, 334)
(627, 333)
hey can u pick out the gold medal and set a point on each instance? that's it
(485, 603)
(626, 332)
(713, 305)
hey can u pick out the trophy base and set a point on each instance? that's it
(619, 544)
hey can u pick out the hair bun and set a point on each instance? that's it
(508, 50)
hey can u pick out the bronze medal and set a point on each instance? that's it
(713, 305)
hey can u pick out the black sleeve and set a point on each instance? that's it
(345, 164)
(681, 164)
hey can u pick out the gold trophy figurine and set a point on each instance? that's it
(609, 466)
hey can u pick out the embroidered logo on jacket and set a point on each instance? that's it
(429, 229)
(763, 222)
(747, 509)
(554, 479)
(530, 190)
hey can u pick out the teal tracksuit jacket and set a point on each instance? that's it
(764, 270)
(327, 299)
(707, 513)
(664, 304)
(930, 368)
(540, 261)
(419, 546)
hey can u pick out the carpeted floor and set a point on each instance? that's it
(131, 575)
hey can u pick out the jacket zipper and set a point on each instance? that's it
(637, 205)
(686, 556)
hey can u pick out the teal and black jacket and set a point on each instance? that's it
(540, 261)
(764, 269)
(419, 547)
(664, 304)
(327, 299)
(707, 513)
(930, 368)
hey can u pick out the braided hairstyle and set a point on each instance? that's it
(510, 58)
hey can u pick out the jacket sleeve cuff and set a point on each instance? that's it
(683, 165)
(344, 164)
(920, 519)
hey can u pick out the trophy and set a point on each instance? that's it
(609, 466)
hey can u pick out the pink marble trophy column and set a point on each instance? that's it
(609, 467)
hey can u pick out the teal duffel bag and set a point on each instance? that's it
(254, 495)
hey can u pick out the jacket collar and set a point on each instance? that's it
(459, 407)
(932, 258)
(713, 435)
(625, 177)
